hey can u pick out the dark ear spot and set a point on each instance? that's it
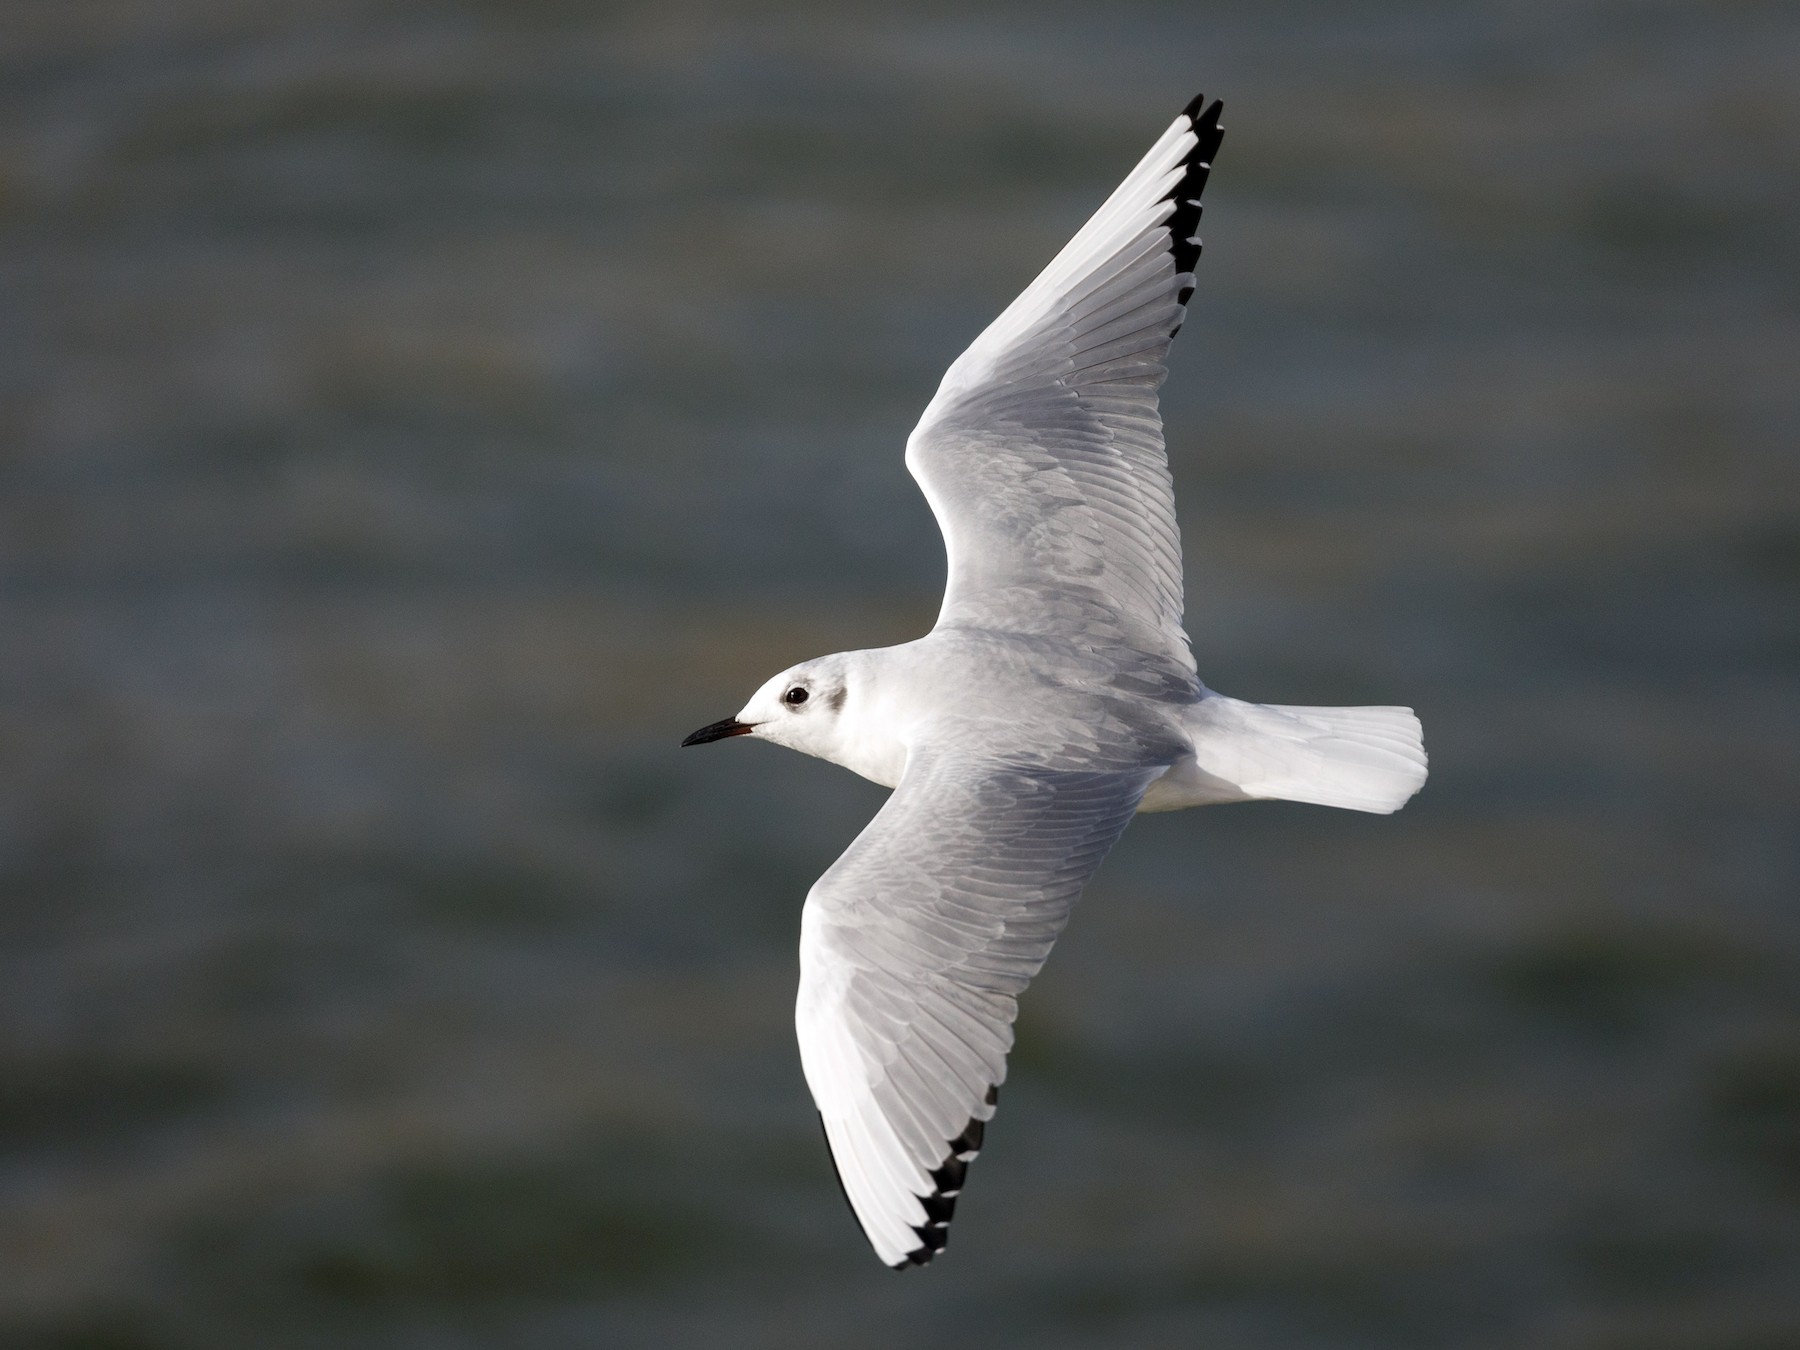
(835, 699)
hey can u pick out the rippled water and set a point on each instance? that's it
(413, 418)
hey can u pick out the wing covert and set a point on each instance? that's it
(1042, 453)
(914, 948)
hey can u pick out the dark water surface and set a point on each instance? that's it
(415, 417)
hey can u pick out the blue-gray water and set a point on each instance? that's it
(415, 417)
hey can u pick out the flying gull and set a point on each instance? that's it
(1055, 698)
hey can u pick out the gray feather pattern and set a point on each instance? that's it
(1042, 458)
(919, 940)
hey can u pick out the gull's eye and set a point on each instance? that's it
(794, 697)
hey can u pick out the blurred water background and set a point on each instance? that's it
(415, 417)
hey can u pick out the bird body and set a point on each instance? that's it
(1055, 698)
(1031, 697)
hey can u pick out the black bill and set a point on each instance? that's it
(718, 731)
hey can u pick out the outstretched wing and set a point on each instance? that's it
(1042, 453)
(913, 950)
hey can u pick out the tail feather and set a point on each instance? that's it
(1364, 759)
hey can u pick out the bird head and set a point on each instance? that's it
(798, 708)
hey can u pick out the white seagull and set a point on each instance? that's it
(1054, 699)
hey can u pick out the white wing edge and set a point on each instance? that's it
(1140, 203)
(900, 1206)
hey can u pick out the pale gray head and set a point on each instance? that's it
(799, 708)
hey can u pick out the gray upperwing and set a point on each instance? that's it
(914, 948)
(1042, 454)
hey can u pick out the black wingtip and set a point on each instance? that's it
(947, 1183)
(1184, 222)
(949, 1178)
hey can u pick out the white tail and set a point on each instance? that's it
(1366, 759)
